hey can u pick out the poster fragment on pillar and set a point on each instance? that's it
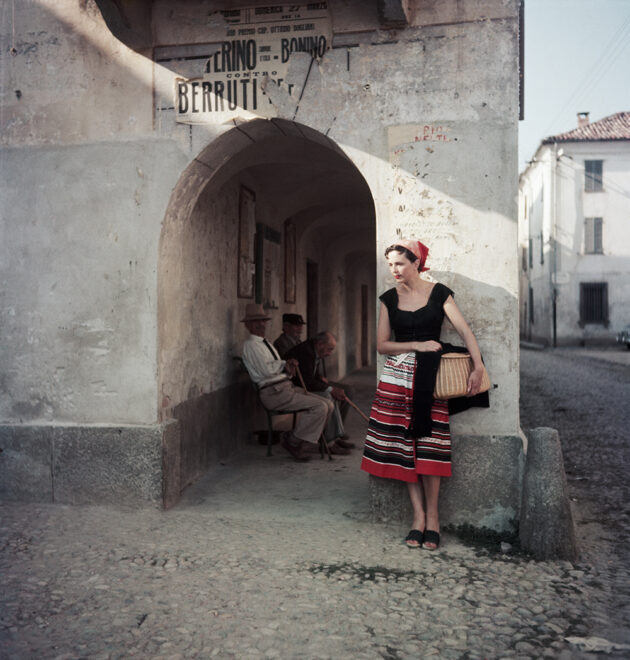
(251, 51)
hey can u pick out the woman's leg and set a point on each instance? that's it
(431, 486)
(417, 502)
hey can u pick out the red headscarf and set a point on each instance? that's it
(420, 250)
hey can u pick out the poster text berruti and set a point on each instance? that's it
(253, 50)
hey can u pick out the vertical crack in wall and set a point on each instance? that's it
(308, 73)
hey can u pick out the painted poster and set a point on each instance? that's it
(246, 244)
(268, 266)
(289, 262)
(253, 48)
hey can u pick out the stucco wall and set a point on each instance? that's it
(77, 83)
(79, 269)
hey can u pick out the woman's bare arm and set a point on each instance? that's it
(463, 330)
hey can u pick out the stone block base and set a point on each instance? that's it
(484, 491)
(124, 465)
(83, 464)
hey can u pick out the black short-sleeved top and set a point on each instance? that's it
(423, 324)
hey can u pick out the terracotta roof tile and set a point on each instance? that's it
(613, 127)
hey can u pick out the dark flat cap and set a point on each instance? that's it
(294, 319)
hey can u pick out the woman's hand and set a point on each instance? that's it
(427, 346)
(474, 382)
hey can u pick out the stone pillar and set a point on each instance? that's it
(546, 528)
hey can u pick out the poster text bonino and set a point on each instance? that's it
(234, 74)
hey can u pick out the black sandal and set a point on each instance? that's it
(414, 535)
(431, 537)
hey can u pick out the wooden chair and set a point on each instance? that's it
(275, 413)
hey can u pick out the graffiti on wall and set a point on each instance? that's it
(252, 49)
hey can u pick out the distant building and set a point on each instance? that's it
(574, 234)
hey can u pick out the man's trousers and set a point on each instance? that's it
(311, 422)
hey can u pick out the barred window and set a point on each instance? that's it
(530, 253)
(593, 243)
(593, 173)
(531, 305)
(594, 303)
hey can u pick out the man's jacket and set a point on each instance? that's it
(312, 370)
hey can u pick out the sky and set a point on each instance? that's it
(577, 59)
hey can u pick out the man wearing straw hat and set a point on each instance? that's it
(272, 377)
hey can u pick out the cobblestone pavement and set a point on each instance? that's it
(267, 558)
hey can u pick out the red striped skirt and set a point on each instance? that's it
(388, 453)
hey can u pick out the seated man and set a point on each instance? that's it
(292, 325)
(271, 376)
(310, 355)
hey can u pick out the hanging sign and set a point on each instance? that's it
(255, 49)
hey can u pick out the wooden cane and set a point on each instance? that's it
(323, 439)
(354, 405)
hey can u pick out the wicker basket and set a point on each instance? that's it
(452, 376)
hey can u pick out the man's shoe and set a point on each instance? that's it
(344, 443)
(294, 449)
(336, 449)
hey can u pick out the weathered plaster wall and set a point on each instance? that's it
(200, 317)
(69, 80)
(360, 274)
(84, 189)
(78, 261)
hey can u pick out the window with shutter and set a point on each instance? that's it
(593, 175)
(593, 243)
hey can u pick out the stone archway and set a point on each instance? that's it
(294, 173)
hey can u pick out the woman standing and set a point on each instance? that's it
(408, 436)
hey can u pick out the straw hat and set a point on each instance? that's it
(254, 312)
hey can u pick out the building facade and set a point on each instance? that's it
(166, 163)
(574, 205)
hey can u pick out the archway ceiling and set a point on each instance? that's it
(300, 174)
(342, 232)
(313, 188)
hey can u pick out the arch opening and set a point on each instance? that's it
(266, 198)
